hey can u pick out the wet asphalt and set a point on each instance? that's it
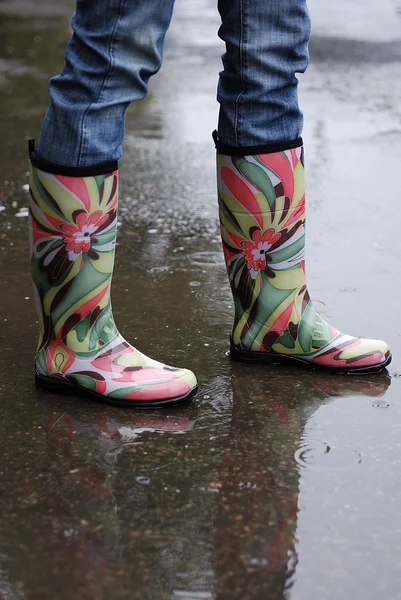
(274, 483)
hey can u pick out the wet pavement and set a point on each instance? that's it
(274, 483)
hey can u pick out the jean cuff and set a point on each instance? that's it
(251, 150)
(56, 169)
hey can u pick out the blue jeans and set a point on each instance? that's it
(118, 44)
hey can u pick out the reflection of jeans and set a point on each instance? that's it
(118, 44)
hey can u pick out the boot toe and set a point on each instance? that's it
(380, 351)
(187, 376)
(175, 384)
(367, 354)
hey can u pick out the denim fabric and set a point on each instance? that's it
(266, 44)
(118, 44)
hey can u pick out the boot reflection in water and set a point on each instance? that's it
(256, 519)
(115, 48)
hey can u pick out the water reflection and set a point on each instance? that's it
(199, 502)
(273, 439)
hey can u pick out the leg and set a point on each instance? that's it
(262, 195)
(117, 45)
(115, 48)
(266, 45)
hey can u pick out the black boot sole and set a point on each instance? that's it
(56, 386)
(281, 359)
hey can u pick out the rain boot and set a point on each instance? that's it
(73, 227)
(262, 214)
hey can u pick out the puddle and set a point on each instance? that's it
(273, 483)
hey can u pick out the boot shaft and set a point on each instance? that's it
(262, 217)
(73, 226)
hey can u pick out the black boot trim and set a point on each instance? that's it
(274, 358)
(252, 150)
(39, 163)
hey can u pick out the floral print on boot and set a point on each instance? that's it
(262, 216)
(73, 226)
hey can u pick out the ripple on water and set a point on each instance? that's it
(257, 562)
(160, 269)
(205, 258)
(380, 405)
(319, 454)
(217, 335)
(213, 307)
(214, 295)
(143, 480)
(216, 402)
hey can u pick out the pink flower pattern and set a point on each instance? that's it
(77, 238)
(256, 251)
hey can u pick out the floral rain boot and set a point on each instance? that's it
(73, 227)
(262, 215)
